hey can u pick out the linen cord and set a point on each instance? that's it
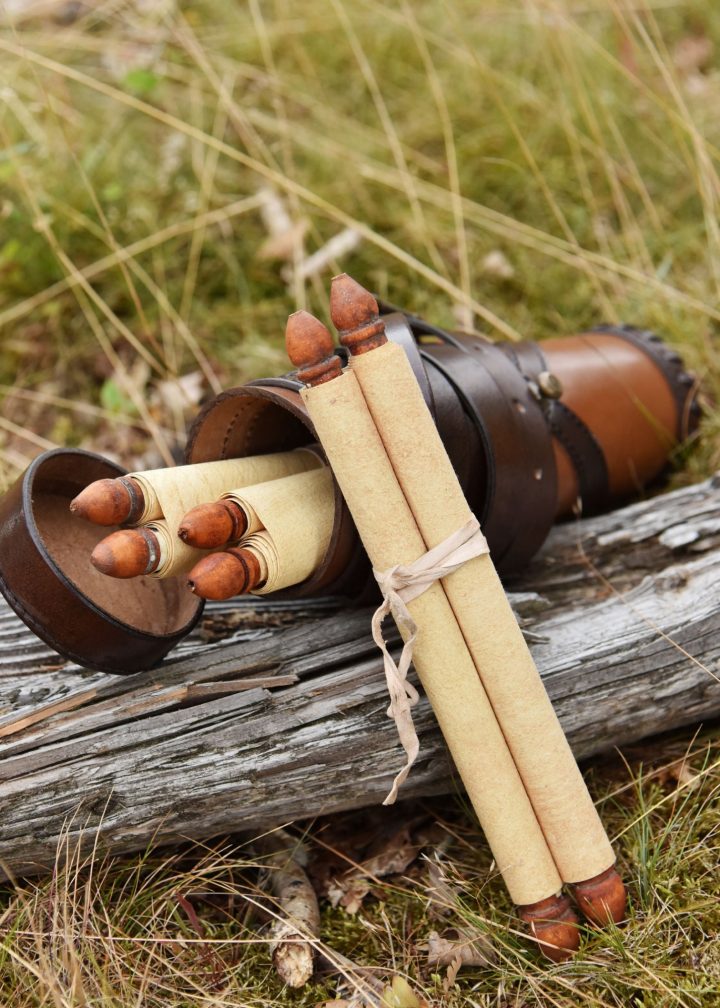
(399, 585)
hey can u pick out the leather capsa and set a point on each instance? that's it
(534, 432)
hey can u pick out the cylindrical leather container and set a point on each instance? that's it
(534, 431)
(47, 577)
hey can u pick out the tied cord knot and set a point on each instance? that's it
(400, 585)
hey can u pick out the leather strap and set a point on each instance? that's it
(585, 454)
(398, 330)
(519, 470)
(573, 434)
(460, 435)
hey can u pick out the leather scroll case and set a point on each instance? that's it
(535, 432)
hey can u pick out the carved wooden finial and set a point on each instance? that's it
(602, 899)
(355, 314)
(235, 571)
(127, 553)
(208, 526)
(110, 501)
(554, 926)
(311, 349)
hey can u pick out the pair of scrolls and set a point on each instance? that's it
(469, 652)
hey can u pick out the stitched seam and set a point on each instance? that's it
(228, 432)
(251, 427)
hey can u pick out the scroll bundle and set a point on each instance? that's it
(469, 652)
(533, 432)
(265, 522)
(266, 500)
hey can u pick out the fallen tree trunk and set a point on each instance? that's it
(277, 722)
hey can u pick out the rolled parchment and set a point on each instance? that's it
(290, 521)
(564, 808)
(390, 536)
(170, 493)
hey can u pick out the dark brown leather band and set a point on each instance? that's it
(46, 575)
(519, 467)
(585, 454)
(573, 434)
(461, 437)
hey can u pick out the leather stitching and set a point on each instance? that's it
(228, 432)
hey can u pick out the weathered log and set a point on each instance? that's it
(623, 608)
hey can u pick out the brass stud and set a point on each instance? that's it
(550, 385)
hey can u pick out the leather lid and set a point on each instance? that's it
(47, 577)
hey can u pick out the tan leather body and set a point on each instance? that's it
(622, 397)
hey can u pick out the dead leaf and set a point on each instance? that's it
(464, 318)
(457, 947)
(443, 895)
(348, 893)
(399, 994)
(284, 246)
(180, 395)
(681, 772)
(392, 856)
(274, 213)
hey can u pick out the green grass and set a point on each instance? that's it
(574, 137)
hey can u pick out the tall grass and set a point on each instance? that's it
(575, 139)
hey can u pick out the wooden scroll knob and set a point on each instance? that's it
(209, 526)
(310, 348)
(110, 501)
(554, 925)
(355, 315)
(127, 553)
(222, 575)
(602, 899)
